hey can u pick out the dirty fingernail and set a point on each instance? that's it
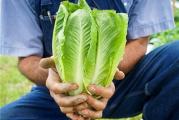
(74, 86)
(92, 89)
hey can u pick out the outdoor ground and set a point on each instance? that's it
(13, 84)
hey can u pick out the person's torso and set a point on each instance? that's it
(46, 10)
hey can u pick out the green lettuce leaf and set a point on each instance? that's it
(88, 44)
(108, 50)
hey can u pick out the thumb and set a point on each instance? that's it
(119, 75)
(47, 63)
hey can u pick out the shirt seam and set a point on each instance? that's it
(159, 23)
(3, 46)
(3, 51)
(149, 29)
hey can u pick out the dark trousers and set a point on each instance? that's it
(151, 88)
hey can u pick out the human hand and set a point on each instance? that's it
(96, 106)
(58, 90)
(71, 104)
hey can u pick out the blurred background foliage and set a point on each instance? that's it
(168, 36)
(14, 85)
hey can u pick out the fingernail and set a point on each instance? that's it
(74, 86)
(119, 76)
(85, 112)
(122, 75)
(84, 98)
(92, 89)
(80, 112)
(80, 100)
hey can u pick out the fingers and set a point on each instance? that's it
(102, 91)
(81, 106)
(55, 86)
(47, 63)
(53, 76)
(67, 109)
(87, 113)
(72, 109)
(69, 101)
(97, 104)
(73, 116)
(119, 75)
(61, 88)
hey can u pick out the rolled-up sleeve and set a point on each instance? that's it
(20, 34)
(147, 17)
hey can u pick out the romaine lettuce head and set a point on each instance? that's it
(88, 44)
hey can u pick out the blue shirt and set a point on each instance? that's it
(20, 33)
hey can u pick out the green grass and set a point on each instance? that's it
(12, 83)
